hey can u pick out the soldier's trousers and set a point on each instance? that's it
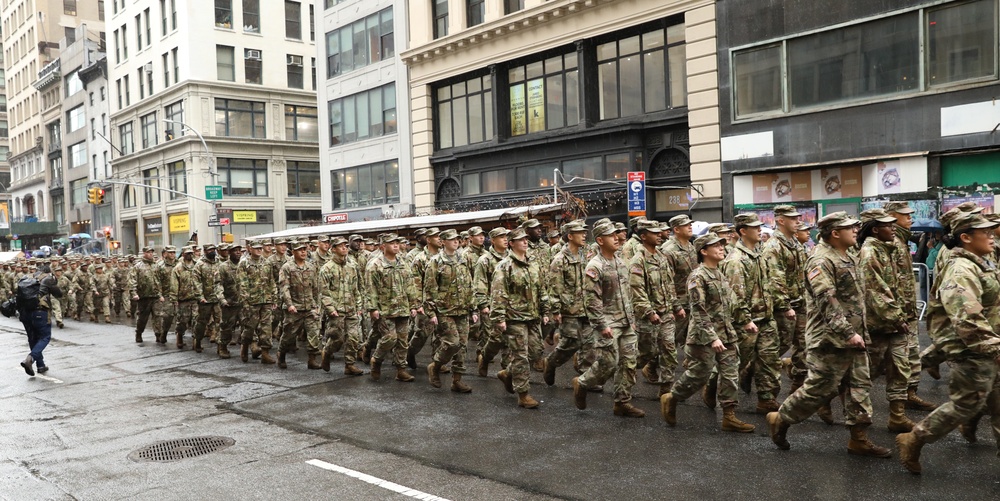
(518, 336)
(827, 368)
(305, 322)
(699, 361)
(163, 319)
(56, 306)
(187, 316)
(144, 307)
(277, 321)
(913, 353)
(889, 354)
(423, 331)
(614, 356)
(974, 387)
(575, 336)
(343, 331)
(209, 316)
(393, 336)
(119, 299)
(453, 341)
(70, 309)
(760, 352)
(230, 322)
(681, 324)
(656, 346)
(101, 305)
(792, 333)
(257, 325)
(84, 303)
(494, 341)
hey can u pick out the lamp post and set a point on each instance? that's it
(208, 153)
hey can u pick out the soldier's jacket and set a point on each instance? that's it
(299, 285)
(391, 289)
(970, 300)
(361, 258)
(565, 281)
(556, 247)
(419, 249)
(102, 283)
(184, 283)
(996, 250)
(206, 273)
(231, 287)
(277, 261)
(541, 252)
(83, 281)
(447, 286)
(517, 293)
(787, 270)
(607, 293)
(746, 272)
(418, 265)
(143, 282)
(121, 278)
(482, 277)
(63, 282)
(257, 284)
(340, 286)
(711, 306)
(652, 283)
(164, 271)
(683, 261)
(320, 258)
(630, 247)
(883, 308)
(904, 267)
(472, 253)
(835, 306)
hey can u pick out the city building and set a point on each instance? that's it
(211, 93)
(841, 105)
(365, 159)
(5, 199)
(510, 99)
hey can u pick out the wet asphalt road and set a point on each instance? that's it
(68, 435)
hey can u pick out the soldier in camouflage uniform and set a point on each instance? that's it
(540, 252)
(100, 289)
(493, 340)
(392, 301)
(724, 231)
(68, 294)
(278, 258)
(683, 260)
(423, 329)
(633, 244)
(342, 299)
(448, 302)
(783, 256)
(299, 288)
(609, 308)
(576, 336)
(82, 284)
(145, 290)
(322, 254)
(121, 299)
(163, 313)
(361, 256)
(470, 254)
(185, 293)
(207, 275)
(57, 303)
(837, 337)
(232, 308)
(747, 274)
(969, 337)
(259, 293)
(517, 302)
(652, 287)
(711, 340)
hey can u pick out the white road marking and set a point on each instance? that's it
(385, 484)
(49, 379)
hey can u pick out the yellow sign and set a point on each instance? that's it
(4, 216)
(244, 216)
(518, 119)
(536, 105)
(180, 223)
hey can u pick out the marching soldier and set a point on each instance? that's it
(540, 252)
(206, 274)
(418, 265)
(298, 285)
(392, 302)
(632, 245)
(163, 313)
(83, 285)
(69, 294)
(683, 260)
(121, 299)
(448, 301)
(278, 258)
(784, 258)
(100, 288)
(342, 299)
(652, 289)
(184, 293)
(576, 336)
(145, 290)
(258, 294)
(322, 254)
(232, 308)
(58, 304)
(492, 341)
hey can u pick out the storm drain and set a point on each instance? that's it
(182, 448)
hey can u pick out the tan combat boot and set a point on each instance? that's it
(668, 408)
(909, 445)
(325, 363)
(825, 413)
(626, 409)
(664, 389)
(778, 429)
(281, 360)
(255, 350)
(351, 370)
(549, 374)
(968, 430)
(197, 346)
(403, 376)
(483, 366)
(649, 372)
(860, 445)
(731, 423)
(710, 392)
(376, 368)
(313, 362)
(579, 394)
(245, 352)
(767, 406)
(898, 422)
(525, 400)
(508, 382)
(434, 374)
(458, 386)
(222, 351)
(266, 358)
(916, 403)
(180, 341)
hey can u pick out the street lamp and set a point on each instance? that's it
(211, 164)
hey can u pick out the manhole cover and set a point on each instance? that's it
(182, 448)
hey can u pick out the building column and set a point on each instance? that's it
(703, 101)
(422, 21)
(457, 16)
(422, 111)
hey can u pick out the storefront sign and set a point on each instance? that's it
(636, 191)
(180, 223)
(335, 218)
(984, 201)
(244, 216)
(536, 105)
(154, 225)
(678, 200)
(831, 183)
(518, 109)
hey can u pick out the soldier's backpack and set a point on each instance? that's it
(29, 293)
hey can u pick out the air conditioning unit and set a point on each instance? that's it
(148, 68)
(253, 54)
(294, 60)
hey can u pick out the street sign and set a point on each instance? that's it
(213, 192)
(213, 220)
(340, 217)
(223, 221)
(636, 189)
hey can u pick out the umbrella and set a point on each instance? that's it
(61, 240)
(83, 236)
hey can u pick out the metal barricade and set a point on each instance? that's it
(923, 276)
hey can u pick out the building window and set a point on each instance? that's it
(174, 115)
(125, 138)
(301, 124)
(359, 44)
(100, 10)
(364, 115)
(151, 178)
(243, 177)
(163, 16)
(464, 112)
(69, 7)
(138, 32)
(73, 84)
(543, 95)
(440, 11)
(173, 14)
(252, 66)
(224, 14)
(757, 74)
(166, 70)
(177, 67)
(475, 12)
(75, 119)
(124, 42)
(118, 55)
(59, 209)
(633, 73)
(78, 192)
(294, 71)
(239, 118)
(313, 78)
(251, 16)
(225, 63)
(312, 23)
(148, 125)
(293, 20)
(142, 84)
(177, 176)
(93, 128)
(375, 184)
(128, 95)
(512, 6)
(961, 42)
(78, 155)
(303, 179)
(128, 197)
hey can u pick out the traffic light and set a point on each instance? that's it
(95, 196)
(107, 232)
(100, 196)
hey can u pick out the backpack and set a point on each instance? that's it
(29, 293)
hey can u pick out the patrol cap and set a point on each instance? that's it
(633, 221)
(323, 238)
(681, 220)
(370, 241)
(170, 248)
(464, 234)
(706, 240)
(969, 206)
(620, 227)
(354, 237)
(148, 248)
(449, 235)
(223, 247)
(475, 230)
(876, 215)
(208, 247)
(553, 234)
(420, 232)
(645, 225)
(992, 217)
(233, 247)
(312, 242)
(499, 231)
(99, 266)
(899, 207)
(335, 241)
(786, 210)
(972, 221)
(804, 227)
(604, 229)
(390, 237)
(280, 241)
(719, 228)
(602, 220)
(517, 234)
(747, 219)
(574, 227)
(839, 219)
(432, 232)
(300, 244)
(531, 223)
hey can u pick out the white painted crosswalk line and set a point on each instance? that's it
(385, 484)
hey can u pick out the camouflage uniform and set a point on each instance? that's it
(83, 284)
(885, 317)
(493, 341)
(609, 306)
(393, 295)
(207, 275)
(423, 329)
(576, 336)
(144, 284)
(164, 312)
(652, 285)
(277, 260)
(258, 292)
(784, 259)
(120, 298)
(100, 289)
(60, 304)
(186, 295)
(683, 261)
(517, 298)
(541, 253)
(298, 286)
(340, 286)
(68, 294)
(907, 294)
(448, 296)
